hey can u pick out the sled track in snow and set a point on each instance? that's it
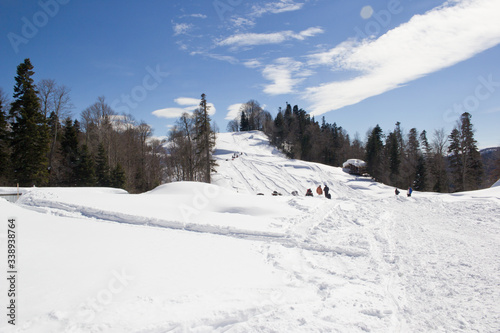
(284, 239)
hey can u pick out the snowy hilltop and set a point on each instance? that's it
(220, 257)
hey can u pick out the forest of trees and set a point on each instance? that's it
(42, 145)
(191, 144)
(443, 164)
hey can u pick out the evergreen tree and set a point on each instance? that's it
(205, 140)
(118, 178)
(465, 161)
(69, 153)
(420, 182)
(426, 154)
(412, 153)
(393, 152)
(85, 172)
(374, 153)
(455, 160)
(4, 147)
(102, 167)
(279, 130)
(30, 133)
(244, 123)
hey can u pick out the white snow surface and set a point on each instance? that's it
(355, 162)
(191, 257)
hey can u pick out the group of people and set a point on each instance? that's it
(408, 193)
(320, 191)
(326, 190)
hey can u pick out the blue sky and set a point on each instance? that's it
(357, 63)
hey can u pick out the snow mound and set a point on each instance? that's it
(187, 188)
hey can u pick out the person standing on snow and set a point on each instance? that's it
(327, 190)
(309, 193)
(410, 190)
(319, 190)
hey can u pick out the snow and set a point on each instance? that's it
(355, 162)
(191, 257)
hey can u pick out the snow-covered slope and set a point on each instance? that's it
(189, 257)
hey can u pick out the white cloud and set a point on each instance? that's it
(242, 22)
(276, 7)
(252, 39)
(427, 43)
(253, 63)
(190, 104)
(187, 101)
(230, 59)
(169, 112)
(233, 111)
(285, 74)
(181, 28)
(202, 16)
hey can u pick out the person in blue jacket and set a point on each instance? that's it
(410, 190)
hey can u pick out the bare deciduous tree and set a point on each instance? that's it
(55, 102)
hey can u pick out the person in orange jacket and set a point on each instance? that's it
(319, 190)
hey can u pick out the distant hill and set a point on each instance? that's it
(490, 158)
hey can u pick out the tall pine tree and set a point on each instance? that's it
(244, 122)
(4, 147)
(85, 171)
(118, 178)
(393, 153)
(30, 133)
(205, 140)
(69, 153)
(102, 167)
(374, 153)
(465, 160)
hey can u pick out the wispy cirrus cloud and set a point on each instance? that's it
(253, 39)
(186, 105)
(427, 43)
(243, 22)
(181, 28)
(233, 111)
(202, 16)
(252, 63)
(285, 73)
(276, 7)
